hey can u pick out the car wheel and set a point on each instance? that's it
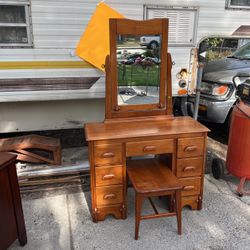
(217, 168)
(153, 45)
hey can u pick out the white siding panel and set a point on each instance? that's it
(49, 115)
(46, 73)
(38, 55)
(59, 24)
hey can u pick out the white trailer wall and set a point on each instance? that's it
(57, 27)
(27, 116)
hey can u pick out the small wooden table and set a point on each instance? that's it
(12, 224)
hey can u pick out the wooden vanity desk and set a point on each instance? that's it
(111, 143)
(132, 129)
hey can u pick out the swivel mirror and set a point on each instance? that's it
(138, 77)
(138, 69)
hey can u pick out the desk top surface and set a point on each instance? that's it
(153, 126)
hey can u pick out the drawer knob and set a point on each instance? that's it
(109, 196)
(108, 176)
(149, 148)
(190, 148)
(189, 168)
(188, 188)
(108, 155)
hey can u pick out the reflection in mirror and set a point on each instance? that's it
(138, 67)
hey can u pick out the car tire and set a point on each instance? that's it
(217, 168)
(153, 45)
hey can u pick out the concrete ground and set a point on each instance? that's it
(62, 220)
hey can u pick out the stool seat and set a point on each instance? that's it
(150, 176)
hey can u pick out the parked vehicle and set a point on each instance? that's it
(152, 42)
(217, 88)
(44, 85)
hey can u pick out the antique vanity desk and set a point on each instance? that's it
(139, 121)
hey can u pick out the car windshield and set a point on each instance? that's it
(243, 52)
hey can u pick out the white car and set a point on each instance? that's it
(152, 42)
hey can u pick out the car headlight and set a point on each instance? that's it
(214, 89)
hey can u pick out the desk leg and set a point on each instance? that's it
(124, 211)
(199, 203)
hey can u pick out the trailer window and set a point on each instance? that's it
(182, 22)
(238, 3)
(15, 27)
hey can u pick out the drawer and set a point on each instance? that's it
(189, 167)
(149, 147)
(191, 186)
(109, 195)
(188, 147)
(108, 154)
(110, 175)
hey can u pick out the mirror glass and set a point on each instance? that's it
(138, 67)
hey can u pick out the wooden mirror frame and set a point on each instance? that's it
(133, 27)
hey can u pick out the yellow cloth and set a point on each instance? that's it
(94, 44)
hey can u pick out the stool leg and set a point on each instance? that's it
(138, 205)
(178, 210)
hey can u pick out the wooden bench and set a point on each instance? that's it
(151, 178)
(22, 145)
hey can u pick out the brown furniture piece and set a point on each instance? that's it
(22, 144)
(181, 141)
(141, 129)
(12, 224)
(151, 178)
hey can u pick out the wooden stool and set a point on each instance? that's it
(20, 145)
(151, 178)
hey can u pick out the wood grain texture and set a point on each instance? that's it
(108, 154)
(149, 147)
(190, 147)
(152, 127)
(151, 176)
(134, 27)
(110, 175)
(135, 130)
(8, 232)
(191, 201)
(191, 186)
(188, 167)
(109, 195)
(21, 144)
(116, 210)
(12, 224)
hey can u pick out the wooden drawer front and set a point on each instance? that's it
(108, 154)
(109, 195)
(191, 186)
(108, 175)
(149, 147)
(192, 201)
(188, 147)
(189, 167)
